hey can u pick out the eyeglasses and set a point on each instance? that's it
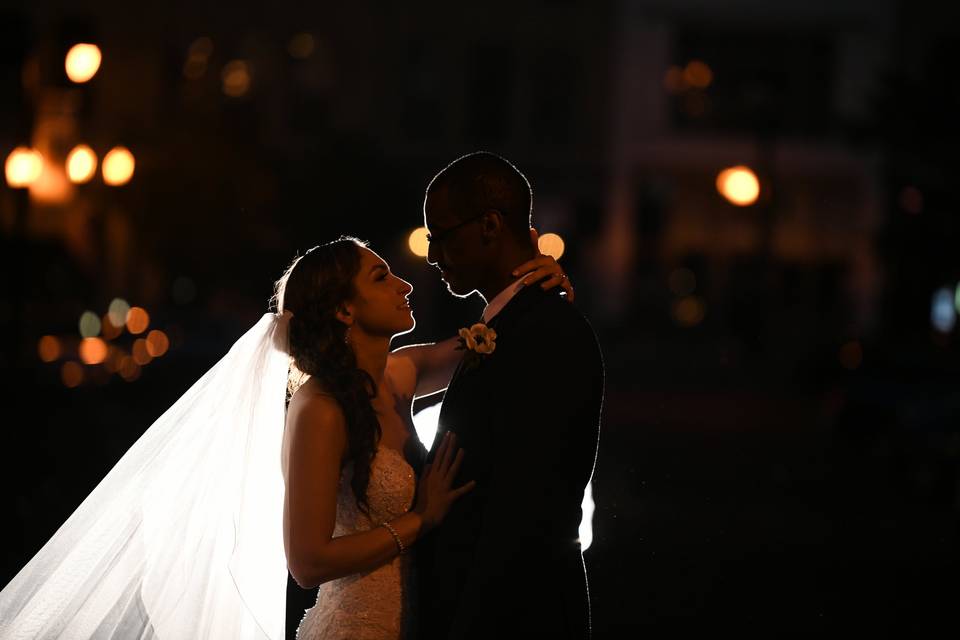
(434, 238)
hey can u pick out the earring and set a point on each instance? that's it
(346, 336)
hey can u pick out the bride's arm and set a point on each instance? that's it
(426, 369)
(315, 441)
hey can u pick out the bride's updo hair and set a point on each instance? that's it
(313, 289)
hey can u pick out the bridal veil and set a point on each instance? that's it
(183, 538)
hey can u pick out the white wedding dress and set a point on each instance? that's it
(375, 605)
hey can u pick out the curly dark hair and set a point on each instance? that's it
(313, 288)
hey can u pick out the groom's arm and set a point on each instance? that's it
(546, 423)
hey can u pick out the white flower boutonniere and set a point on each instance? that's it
(479, 341)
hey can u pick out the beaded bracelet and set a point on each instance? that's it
(396, 537)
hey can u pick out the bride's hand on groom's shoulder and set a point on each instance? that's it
(435, 492)
(545, 268)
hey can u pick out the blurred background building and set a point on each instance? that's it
(757, 205)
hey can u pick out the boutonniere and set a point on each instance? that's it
(479, 341)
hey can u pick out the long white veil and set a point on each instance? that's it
(184, 536)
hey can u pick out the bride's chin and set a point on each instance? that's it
(408, 326)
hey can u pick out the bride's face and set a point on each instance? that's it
(380, 306)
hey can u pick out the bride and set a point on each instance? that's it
(192, 533)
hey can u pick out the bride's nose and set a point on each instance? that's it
(405, 287)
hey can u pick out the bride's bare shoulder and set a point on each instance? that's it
(314, 407)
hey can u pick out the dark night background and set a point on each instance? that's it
(780, 449)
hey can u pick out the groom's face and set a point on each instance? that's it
(456, 247)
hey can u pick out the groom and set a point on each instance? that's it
(506, 561)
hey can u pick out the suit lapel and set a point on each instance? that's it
(458, 390)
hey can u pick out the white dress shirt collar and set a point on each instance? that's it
(499, 301)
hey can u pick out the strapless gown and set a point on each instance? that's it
(377, 604)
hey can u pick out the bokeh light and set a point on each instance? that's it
(82, 62)
(72, 374)
(417, 241)
(81, 164)
(89, 324)
(137, 320)
(93, 350)
(141, 355)
(115, 356)
(108, 330)
(129, 370)
(851, 355)
(23, 167)
(118, 166)
(689, 311)
(739, 185)
(956, 298)
(197, 57)
(698, 74)
(301, 46)
(49, 349)
(236, 78)
(157, 343)
(118, 310)
(551, 244)
(943, 311)
(673, 80)
(682, 281)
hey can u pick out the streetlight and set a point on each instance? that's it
(81, 164)
(739, 185)
(23, 167)
(417, 241)
(118, 166)
(551, 244)
(82, 62)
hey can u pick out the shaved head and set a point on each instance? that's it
(480, 181)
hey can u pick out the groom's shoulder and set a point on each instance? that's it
(553, 314)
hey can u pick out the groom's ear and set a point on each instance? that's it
(492, 223)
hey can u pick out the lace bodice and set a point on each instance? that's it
(374, 605)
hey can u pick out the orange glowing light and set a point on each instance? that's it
(698, 74)
(81, 164)
(49, 348)
(739, 185)
(851, 355)
(115, 357)
(157, 343)
(129, 370)
(673, 80)
(82, 62)
(551, 244)
(72, 374)
(236, 78)
(118, 166)
(93, 350)
(141, 354)
(196, 65)
(689, 311)
(301, 46)
(417, 241)
(23, 167)
(137, 320)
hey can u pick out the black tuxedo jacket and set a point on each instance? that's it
(506, 561)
